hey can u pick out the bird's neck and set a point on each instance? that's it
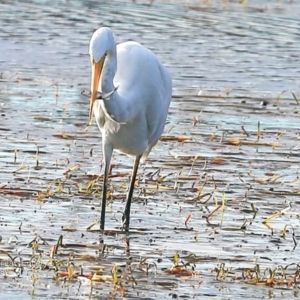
(109, 72)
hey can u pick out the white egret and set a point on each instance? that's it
(135, 92)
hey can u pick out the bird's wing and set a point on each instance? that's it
(144, 85)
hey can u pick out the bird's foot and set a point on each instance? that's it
(125, 222)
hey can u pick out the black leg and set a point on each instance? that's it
(126, 215)
(104, 193)
(107, 158)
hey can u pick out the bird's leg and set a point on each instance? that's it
(107, 158)
(126, 215)
(104, 193)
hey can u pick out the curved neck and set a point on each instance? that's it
(109, 70)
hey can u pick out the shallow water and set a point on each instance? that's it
(225, 59)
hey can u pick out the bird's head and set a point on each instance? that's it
(101, 43)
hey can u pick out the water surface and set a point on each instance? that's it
(225, 59)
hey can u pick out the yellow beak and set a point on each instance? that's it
(96, 74)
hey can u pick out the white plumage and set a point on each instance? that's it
(136, 92)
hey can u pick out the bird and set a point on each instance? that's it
(131, 91)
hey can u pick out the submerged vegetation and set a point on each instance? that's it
(216, 205)
(231, 207)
